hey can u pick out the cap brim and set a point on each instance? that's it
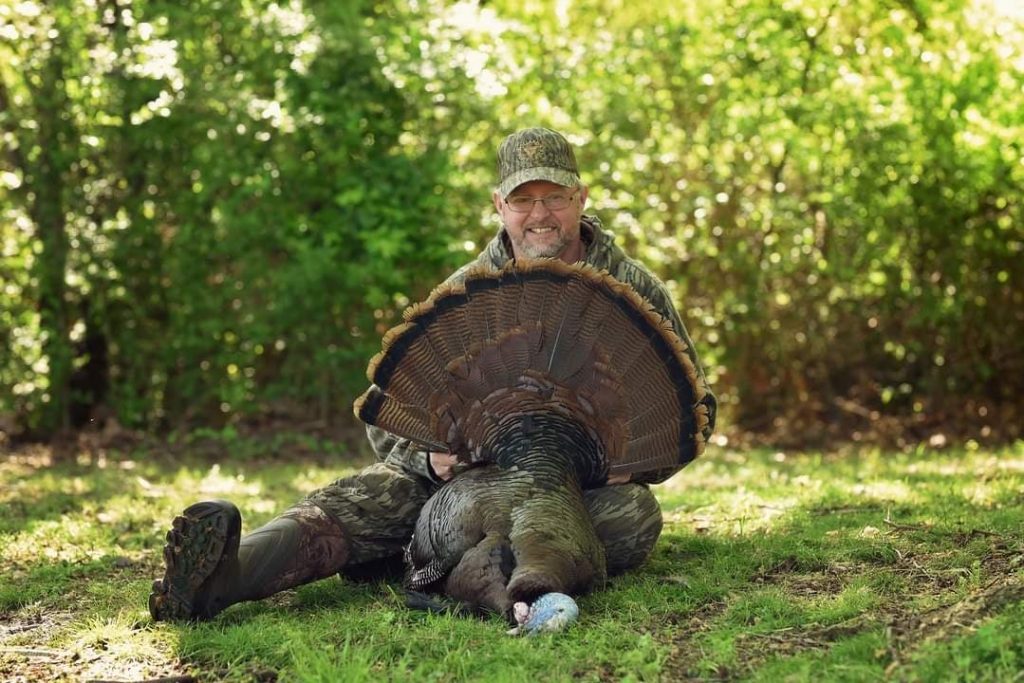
(559, 176)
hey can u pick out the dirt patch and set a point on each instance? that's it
(95, 662)
(906, 630)
(787, 574)
(27, 653)
(30, 623)
(29, 665)
(682, 660)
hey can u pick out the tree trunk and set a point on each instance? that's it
(48, 214)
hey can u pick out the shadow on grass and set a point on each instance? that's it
(48, 582)
(17, 514)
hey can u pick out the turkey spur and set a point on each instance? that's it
(553, 378)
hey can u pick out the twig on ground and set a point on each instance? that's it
(8, 630)
(983, 532)
(844, 509)
(170, 679)
(34, 652)
(888, 521)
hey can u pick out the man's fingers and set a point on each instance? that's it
(442, 464)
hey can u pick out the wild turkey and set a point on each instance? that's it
(558, 376)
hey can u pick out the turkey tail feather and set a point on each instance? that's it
(458, 362)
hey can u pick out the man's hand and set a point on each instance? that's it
(443, 465)
(621, 478)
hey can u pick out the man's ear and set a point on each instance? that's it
(496, 198)
(584, 191)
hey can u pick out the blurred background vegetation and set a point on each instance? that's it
(210, 211)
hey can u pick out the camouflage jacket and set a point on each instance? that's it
(601, 253)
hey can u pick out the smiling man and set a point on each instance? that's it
(354, 525)
(542, 220)
(540, 197)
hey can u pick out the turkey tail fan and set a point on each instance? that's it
(572, 328)
(411, 421)
(496, 363)
(494, 303)
(460, 359)
(539, 300)
(421, 372)
(656, 377)
(412, 366)
(564, 302)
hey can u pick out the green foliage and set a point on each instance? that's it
(833, 188)
(215, 210)
(246, 215)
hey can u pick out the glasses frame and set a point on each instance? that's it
(542, 200)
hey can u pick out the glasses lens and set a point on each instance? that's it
(556, 202)
(523, 204)
(520, 204)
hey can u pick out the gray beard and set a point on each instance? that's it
(530, 250)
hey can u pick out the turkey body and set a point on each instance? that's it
(551, 377)
(516, 529)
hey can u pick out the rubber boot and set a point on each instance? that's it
(210, 566)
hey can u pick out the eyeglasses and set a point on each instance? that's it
(553, 202)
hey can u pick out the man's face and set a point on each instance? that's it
(542, 232)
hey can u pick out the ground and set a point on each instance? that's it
(862, 565)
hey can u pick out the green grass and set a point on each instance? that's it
(872, 566)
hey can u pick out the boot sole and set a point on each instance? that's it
(196, 545)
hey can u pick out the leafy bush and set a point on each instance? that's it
(211, 212)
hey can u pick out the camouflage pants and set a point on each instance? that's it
(378, 507)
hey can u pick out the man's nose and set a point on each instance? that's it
(539, 209)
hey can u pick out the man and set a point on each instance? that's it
(356, 523)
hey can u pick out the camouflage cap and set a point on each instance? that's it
(535, 154)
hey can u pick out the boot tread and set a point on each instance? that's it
(196, 545)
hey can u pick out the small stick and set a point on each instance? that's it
(171, 679)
